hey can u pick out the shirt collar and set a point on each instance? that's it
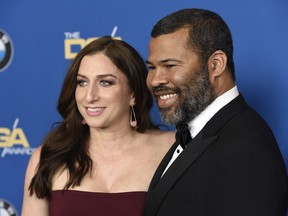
(197, 124)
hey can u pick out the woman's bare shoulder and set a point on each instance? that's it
(31, 204)
(34, 159)
(161, 137)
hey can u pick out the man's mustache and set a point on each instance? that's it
(163, 88)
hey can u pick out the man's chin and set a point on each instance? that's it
(170, 118)
(166, 112)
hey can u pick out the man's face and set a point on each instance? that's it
(177, 79)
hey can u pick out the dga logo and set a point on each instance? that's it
(14, 142)
(74, 43)
(7, 209)
(6, 50)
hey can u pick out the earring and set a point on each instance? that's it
(83, 122)
(133, 120)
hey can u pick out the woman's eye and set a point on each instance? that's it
(81, 82)
(105, 83)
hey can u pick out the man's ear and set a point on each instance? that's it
(217, 64)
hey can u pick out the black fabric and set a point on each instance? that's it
(232, 167)
(183, 136)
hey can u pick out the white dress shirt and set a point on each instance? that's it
(197, 124)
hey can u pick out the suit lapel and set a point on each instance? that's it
(160, 187)
(193, 150)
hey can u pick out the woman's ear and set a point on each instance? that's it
(217, 64)
(132, 99)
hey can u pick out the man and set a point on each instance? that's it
(233, 165)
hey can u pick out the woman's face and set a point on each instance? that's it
(103, 95)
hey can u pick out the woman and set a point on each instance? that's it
(101, 158)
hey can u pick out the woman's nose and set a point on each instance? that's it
(92, 93)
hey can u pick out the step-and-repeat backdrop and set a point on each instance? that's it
(38, 39)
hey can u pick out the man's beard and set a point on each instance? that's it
(193, 98)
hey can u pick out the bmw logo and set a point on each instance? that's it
(6, 50)
(7, 209)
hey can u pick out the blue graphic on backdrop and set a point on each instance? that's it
(14, 141)
(73, 42)
(6, 50)
(7, 209)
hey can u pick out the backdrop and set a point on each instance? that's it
(38, 39)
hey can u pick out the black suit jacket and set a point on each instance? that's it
(232, 167)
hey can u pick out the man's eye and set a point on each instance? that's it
(169, 66)
(151, 68)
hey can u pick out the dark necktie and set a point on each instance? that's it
(183, 136)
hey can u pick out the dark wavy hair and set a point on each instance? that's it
(208, 32)
(65, 147)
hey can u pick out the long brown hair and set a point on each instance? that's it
(65, 147)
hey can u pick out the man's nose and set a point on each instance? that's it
(157, 77)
